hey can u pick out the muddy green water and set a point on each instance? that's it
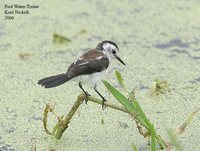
(157, 39)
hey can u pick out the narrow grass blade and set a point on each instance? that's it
(55, 129)
(120, 79)
(135, 110)
(174, 141)
(138, 107)
(181, 129)
(153, 139)
(126, 103)
(120, 97)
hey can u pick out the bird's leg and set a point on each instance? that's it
(103, 99)
(85, 92)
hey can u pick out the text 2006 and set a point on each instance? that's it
(9, 18)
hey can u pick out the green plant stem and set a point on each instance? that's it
(63, 124)
(117, 107)
(120, 108)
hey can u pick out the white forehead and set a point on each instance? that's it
(109, 46)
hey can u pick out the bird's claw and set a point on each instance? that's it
(103, 104)
(86, 97)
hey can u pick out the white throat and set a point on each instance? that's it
(108, 55)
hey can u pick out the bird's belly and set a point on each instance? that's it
(92, 78)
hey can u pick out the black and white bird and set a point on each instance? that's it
(88, 68)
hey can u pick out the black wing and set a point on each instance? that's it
(83, 66)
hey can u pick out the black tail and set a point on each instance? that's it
(54, 81)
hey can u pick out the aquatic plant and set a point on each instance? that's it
(131, 106)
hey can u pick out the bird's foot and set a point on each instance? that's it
(103, 103)
(86, 97)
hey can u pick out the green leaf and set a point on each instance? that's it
(126, 103)
(120, 97)
(55, 128)
(119, 78)
(138, 107)
(153, 139)
(133, 106)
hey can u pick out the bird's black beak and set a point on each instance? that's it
(120, 60)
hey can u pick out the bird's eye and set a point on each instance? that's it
(113, 51)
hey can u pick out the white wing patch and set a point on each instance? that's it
(83, 63)
(78, 60)
(98, 58)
